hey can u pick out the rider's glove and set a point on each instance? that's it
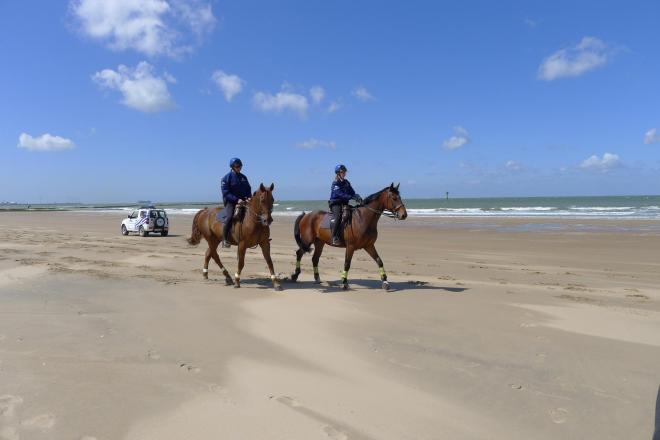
(357, 199)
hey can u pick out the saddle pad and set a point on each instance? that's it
(222, 215)
(327, 221)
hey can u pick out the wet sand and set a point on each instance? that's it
(494, 329)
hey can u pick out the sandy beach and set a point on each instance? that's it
(496, 330)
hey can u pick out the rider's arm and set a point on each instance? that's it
(226, 193)
(249, 188)
(340, 193)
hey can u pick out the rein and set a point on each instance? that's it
(391, 213)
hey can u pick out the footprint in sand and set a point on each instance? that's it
(9, 433)
(558, 415)
(8, 403)
(289, 401)
(42, 422)
(190, 368)
(153, 354)
(334, 433)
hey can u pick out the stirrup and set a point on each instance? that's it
(226, 244)
(335, 241)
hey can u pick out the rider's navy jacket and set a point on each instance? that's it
(341, 191)
(235, 186)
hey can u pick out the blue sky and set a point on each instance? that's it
(477, 98)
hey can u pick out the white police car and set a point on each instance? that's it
(144, 220)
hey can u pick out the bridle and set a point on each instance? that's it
(260, 216)
(391, 213)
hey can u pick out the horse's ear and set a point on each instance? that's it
(262, 187)
(272, 186)
(397, 186)
(392, 185)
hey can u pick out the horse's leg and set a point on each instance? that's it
(318, 250)
(299, 255)
(347, 265)
(371, 250)
(207, 257)
(265, 249)
(241, 262)
(216, 258)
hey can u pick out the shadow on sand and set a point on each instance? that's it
(335, 286)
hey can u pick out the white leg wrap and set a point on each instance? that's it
(205, 271)
(272, 277)
(237, 275)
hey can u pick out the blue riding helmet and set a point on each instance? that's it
(235, 161)
(339, 168)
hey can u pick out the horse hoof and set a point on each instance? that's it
(278, 288)
(229, 282)
(294, 278)
(345, 287)
(237, 286)
(386, 285)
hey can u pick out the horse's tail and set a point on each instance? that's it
(296, 234)
(196, 235)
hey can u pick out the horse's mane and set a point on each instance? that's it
(375, 195)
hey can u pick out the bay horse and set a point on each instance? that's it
(253, 230)
(360, 233)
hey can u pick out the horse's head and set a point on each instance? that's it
(394, 203)
(262, 201)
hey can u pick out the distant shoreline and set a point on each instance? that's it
(603, 207)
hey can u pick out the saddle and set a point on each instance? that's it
(329, 219)
(239, 214)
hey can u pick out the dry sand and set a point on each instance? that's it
(488, 333)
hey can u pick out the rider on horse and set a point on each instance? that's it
(235, 190)
(341, 192)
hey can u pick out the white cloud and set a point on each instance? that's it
(152, 27)
(530, 23)
(317, 93)
(514, 166)
(334, 106)
(45, 142)
(312, 143)
(651, 136)
(459, 139)
(588, 54)
(286, 100)
(230, 85)
(363, 94)
(604, 164)
(139, 87)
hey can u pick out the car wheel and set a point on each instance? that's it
(143, 233)
(164, 234)
(124, 231)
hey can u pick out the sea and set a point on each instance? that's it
(601, 207)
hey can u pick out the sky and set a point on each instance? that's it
(125, 100)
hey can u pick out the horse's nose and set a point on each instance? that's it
(404, 215)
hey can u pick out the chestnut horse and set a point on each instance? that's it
(252, 231)
(360, 233)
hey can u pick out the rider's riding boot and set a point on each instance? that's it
(226, 232)
(336, 241)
